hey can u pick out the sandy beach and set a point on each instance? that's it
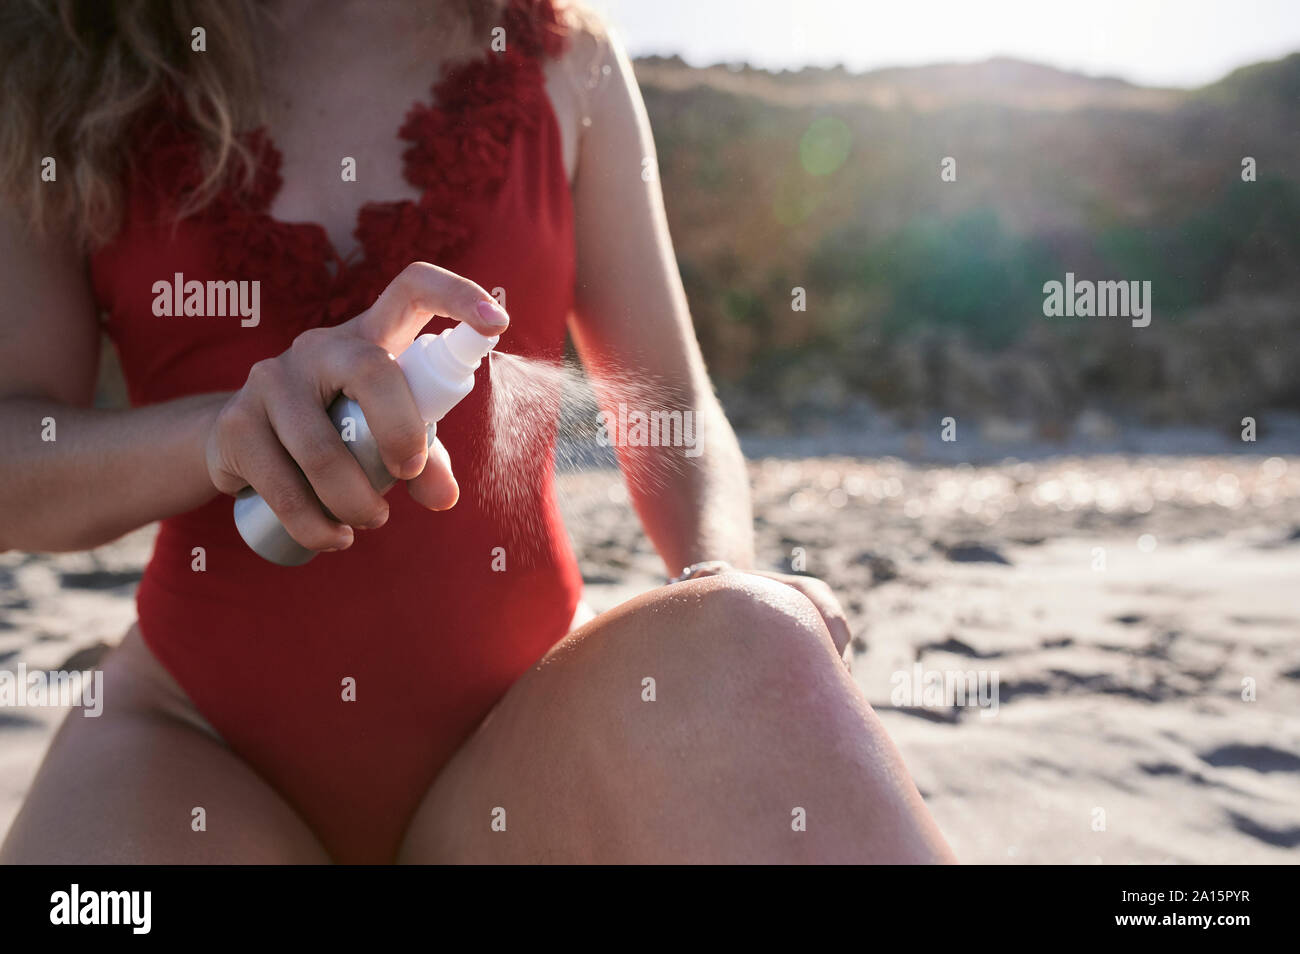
(1138, 612)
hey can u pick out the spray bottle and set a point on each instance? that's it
(440, 371)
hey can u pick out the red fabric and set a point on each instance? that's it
(413, 612)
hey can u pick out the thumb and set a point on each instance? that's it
(435, 487)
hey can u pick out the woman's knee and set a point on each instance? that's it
(728, 640)
(741, 616)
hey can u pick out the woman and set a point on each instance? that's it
(404, 696)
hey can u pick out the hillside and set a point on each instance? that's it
(925, 295)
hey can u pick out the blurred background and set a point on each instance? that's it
(800, 145)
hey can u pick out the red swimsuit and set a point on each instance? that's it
(414, 612)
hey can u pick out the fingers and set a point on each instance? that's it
(333, 473)
(246, 452)
(369, 375)
(417, 294)
(436, 486)
(293, 501)
(305, 431)
(827, 605)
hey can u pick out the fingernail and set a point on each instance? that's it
(493, 313)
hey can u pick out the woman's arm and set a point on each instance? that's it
(631, 319)
(105, 472)
(108, 472)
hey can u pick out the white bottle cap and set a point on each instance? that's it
(440, 368)
(467, 345)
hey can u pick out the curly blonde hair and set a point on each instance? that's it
(76, 75)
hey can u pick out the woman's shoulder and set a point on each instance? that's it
(587, 52)
(575, 70)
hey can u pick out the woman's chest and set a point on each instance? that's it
(340, 144)
(337, 138)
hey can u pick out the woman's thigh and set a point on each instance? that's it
(148, 782)
(706, 721)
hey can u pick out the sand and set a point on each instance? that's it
(1120, 734)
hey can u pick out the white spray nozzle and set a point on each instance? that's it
(440, 368)
(467, 345)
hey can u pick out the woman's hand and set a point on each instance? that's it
(817, 591)
(275, 436)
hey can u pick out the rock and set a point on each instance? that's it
(883, 569)
(974, 553)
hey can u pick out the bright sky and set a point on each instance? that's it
(1153, 42)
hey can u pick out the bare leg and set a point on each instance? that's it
(755, 724)
(121, 788)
